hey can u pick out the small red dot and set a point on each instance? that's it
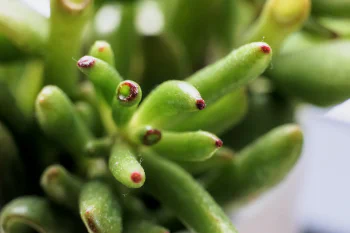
(101, 48)
(200, 104)
(265, 48)
(136, 177)
(218, 143)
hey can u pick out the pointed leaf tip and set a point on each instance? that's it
(219, 143)
(200, 104)
(265, 48)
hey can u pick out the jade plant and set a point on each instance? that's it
(157, 116)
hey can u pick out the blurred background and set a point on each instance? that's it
(315, 196)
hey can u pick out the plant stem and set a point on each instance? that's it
(67, 23)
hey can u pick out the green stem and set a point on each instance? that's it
(9, 52)
(103, 51)
(12, 179)
(99, 209)
(125, 103)
(232, 72)
(164, 58)
(266, 111)
(177, 190)
(313, 74)
(59, 121)
(314, 27)
(29, 86)
(218, 117)
(61, 186)
(163, 55)
(168, 100)
(123, 37)
(68, 20)
(222, 157)
(277, 21)
(188, 146)
(226, 15)
(144, 227)
(10, 112)
(260, 166)
(99, 147)
(88, 115)
(104, 77)
(125, 167)
(185, 19)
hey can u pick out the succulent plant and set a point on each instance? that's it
(143, 139)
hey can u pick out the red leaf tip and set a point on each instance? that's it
(136, 177)
(86, 62)
(265, 48)
(218, 143)
(101, 45)
(101, 48)
(91, 221)
(152, 136)
(127, 95)
(200, 104)
(52, 174)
